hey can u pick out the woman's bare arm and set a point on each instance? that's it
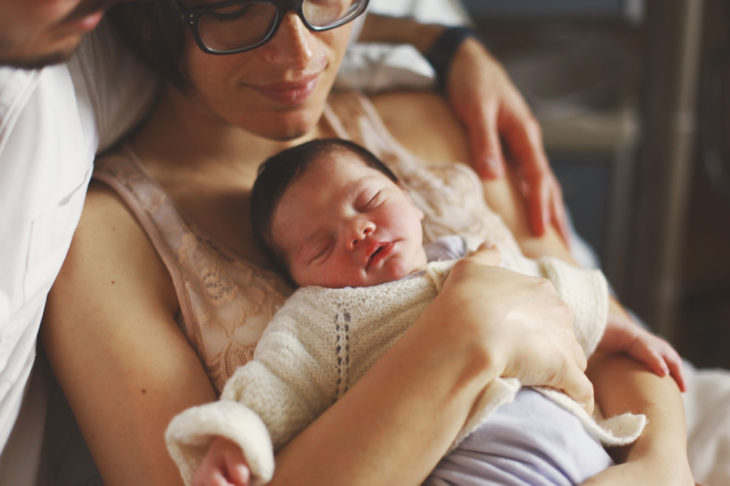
(641, 390)
(398, 111)
(119, 356)
(659, 456)
(493, 114)
(395, 424)
(127, 369)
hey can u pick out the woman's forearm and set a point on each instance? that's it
(393, 426)
(623, 385)
(399, 419)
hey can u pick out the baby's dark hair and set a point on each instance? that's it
(278, 172)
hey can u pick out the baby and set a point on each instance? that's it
(336, 220)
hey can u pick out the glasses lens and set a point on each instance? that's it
(328, 13)
(236, 25)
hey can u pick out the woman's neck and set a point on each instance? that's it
(181, 134)
(207, 167)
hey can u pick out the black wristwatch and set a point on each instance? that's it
(443, 49)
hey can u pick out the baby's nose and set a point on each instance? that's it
(359, 231)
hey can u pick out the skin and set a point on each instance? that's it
(92, 333)
(332, 221)
(659, 456)
(35, 33)
(365, 232)
(501, 129)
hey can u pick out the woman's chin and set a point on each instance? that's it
(288, 127)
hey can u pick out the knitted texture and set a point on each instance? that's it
(323, 340)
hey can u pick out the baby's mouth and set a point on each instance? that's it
(379, 252)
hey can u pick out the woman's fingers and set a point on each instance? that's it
(487, 254)
(578, 387)
(521, 323)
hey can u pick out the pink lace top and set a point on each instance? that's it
(226, 302)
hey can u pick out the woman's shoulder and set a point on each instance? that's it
(438, 136)
(110, 260)
(109, 239)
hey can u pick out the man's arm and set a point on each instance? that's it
(494, 114)
(112, 83)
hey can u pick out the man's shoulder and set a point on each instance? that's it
(19, 86)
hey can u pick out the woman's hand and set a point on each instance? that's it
(485, 323)
(495, 113)
(523, 326)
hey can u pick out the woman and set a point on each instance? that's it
(118, 318)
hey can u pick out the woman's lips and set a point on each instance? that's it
(289, 93)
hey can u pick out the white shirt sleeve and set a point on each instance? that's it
(52, 122)
(119, 87)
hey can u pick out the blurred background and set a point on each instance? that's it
(634, 100)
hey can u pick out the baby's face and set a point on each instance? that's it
(342, 223)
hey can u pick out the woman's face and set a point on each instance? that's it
(277, 90)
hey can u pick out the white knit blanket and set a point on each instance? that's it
(323, 340)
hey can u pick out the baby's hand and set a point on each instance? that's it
(223, 465)
(624, 335)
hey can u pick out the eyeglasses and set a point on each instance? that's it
(234, 26)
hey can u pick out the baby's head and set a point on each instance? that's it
(329, 213)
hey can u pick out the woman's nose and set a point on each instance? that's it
(357, 232)
(292, 46)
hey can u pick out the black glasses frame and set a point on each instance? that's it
(191, 16)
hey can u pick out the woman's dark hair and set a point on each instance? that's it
(155, 32)
(278, 172)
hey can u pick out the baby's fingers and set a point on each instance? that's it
(660, 357)
(676, 368)
(671, 361)
(644, 353)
